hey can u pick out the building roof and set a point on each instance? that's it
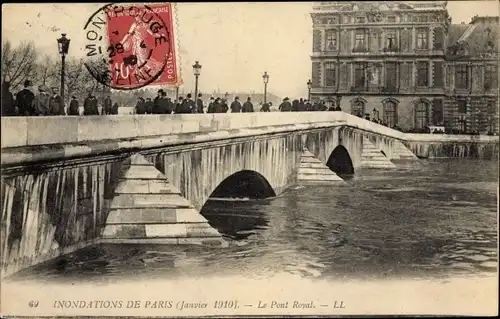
(343, 6)
(479, 38)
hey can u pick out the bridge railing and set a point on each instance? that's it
(32, 131)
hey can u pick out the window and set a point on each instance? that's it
(391, 40)
(390, 113)
(422, 37)
(422, 73)
(391, 19)
(330, 74)
(360, 40)
(492, 107)
(490, 77)
(358, 108)
(331, 40)
(390, 75)
(437, 112)
(360, 20)
(421, 109)
(461, 77)
(359, 75)
(462, 106)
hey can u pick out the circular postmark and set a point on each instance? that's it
(127, 46)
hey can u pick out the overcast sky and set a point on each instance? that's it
(234, 42)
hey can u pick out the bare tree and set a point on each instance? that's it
(47, 71)
(18, 64)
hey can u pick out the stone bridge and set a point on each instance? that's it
(69, 182)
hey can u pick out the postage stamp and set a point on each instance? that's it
(132, 45)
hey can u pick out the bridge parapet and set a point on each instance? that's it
(32, 131)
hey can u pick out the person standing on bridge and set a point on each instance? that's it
(236, 105)
(56, 104)
(25, 100)
(266, 107)
(140, 106)
(42, 101)
(8, 102)
(247, 106)
(107, 105)
(285, 106)
(90, 105)
(149, 106)
(73, 107)
(199, 104)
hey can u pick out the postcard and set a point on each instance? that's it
(359, 176)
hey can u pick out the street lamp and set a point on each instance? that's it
(196, 71)
(309, 85)
(63, 44)
(266, 79)
(177, 93)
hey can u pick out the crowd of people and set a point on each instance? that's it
(48, 102)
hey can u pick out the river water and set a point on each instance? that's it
(434, 218)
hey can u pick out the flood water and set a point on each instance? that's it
(434, 218)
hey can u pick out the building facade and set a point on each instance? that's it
(406, 64)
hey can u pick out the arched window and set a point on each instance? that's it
(421, 114)
(390, 112)
(358, 108)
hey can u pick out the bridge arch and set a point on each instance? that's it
(340, 161)
(244, 184)
(235, 218)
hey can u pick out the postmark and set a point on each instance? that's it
(130, 46)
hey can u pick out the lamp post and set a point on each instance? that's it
(196, 71)
(309, 85)
(177, 93)
(265, 77)
(63, 44)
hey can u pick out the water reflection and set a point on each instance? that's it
(435, 218)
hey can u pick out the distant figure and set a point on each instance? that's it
(285, 106)
(8, 103)
(56, 104)
(224, 106)
(90, 105)
(247, 106)
(149, 106)
(73, 107)
(161, 104)
(295, 105)
(185, 106)
(236, 105)
(302, 105)
(170, 105)
(140, 106)
(107, 105)
(210, 107)
(42, 101)
(307, 106)
(266, 107)
(199, 104)
(337, 108)
(25, 100)
(114, 109)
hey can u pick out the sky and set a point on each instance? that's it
(234, 42)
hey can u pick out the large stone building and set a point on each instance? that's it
(405, 63)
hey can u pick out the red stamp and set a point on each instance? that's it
(134, 46)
